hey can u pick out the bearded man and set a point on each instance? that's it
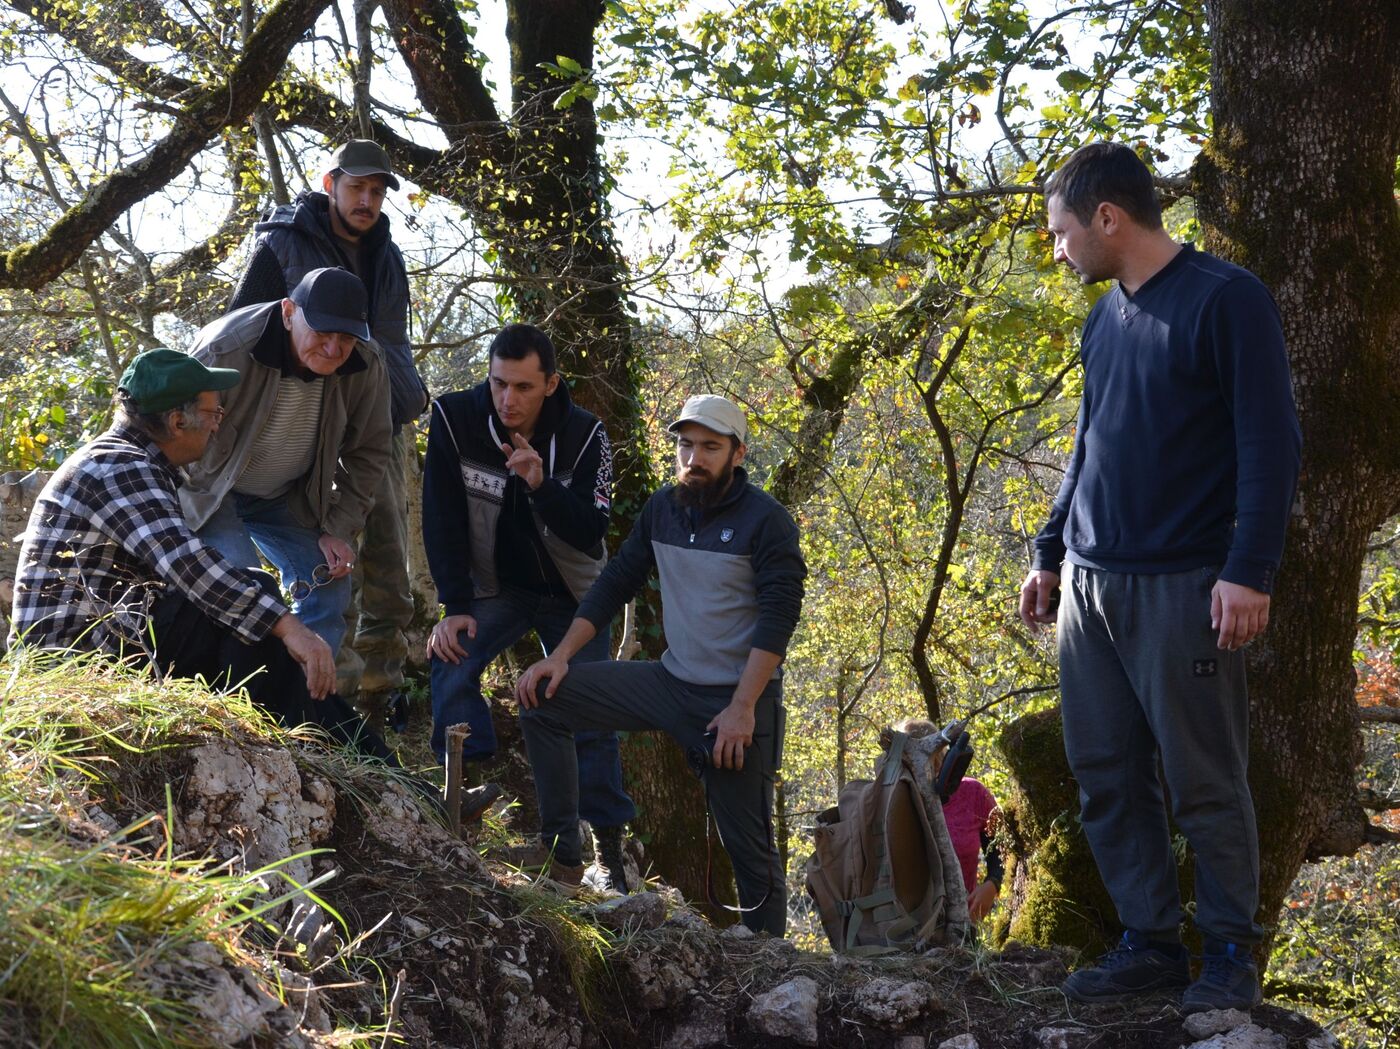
(731, 574)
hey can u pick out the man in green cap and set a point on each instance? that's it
(344, 226)
(109, 563)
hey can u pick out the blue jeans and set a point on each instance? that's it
(243, 525)
(501, 621)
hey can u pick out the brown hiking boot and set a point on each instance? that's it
(534, 859)
(569, 879)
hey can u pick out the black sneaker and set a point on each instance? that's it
(1229, 980)
(1129, 969)
(398, 710)
(476, 801)
(610, 857)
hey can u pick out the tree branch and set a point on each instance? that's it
(1374, 801)
(1381, 835)
(94, 44)
(1380, 713)
(427, 32)
(211, 108)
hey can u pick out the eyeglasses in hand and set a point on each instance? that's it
(320, 576)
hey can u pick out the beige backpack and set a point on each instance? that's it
(883, 873)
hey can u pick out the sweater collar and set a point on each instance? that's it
(1174, 265)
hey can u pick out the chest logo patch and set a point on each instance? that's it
(726, 534)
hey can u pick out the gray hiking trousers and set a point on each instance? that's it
(1141, 679)
(640, 696)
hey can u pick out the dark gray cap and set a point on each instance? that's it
(361, 156)
(333, 300)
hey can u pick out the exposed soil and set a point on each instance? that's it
(453, 950)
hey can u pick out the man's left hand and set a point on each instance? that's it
(339, 555)
(524, 461)
(733, 728)
(1239, 613)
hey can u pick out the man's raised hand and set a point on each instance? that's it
(524, 461)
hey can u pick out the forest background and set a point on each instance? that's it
(828, 210)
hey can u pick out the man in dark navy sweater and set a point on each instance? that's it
(731, 573)
(1170, 524)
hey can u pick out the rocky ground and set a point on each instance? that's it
(414, 933)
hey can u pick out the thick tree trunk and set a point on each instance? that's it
(535, 184)
(671, 823)
(1298, 186)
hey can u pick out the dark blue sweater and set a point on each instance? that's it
(1187, 448)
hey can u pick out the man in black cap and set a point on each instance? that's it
(110, 565)
(306, 441)
(344, 226)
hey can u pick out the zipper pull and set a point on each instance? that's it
(692, 537)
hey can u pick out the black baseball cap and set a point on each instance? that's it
(360, 157)
(161, 379)
(333, 300)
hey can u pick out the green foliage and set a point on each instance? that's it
(1339, 933)
(47, 413)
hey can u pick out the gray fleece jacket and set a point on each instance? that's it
(731, 580)
(352, 449)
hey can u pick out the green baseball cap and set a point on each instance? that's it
(360, 157)
(161, 379)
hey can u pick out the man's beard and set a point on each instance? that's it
(703, 493)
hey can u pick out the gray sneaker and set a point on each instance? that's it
(1131, 968)
(1229, 980)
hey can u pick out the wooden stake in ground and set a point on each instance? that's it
(456, 736)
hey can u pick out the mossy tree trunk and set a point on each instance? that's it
(1298, 185)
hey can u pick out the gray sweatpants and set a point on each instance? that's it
(640, 696)
(1141, 678)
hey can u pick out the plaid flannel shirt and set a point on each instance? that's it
(106, 537)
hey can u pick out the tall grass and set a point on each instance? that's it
(96, 930)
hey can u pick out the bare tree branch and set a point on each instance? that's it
(1375, 801)
(1380, 713)
(1381, 835)
(94, 43)
(209, 109)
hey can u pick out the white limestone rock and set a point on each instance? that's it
(788, 1011)
(892, 1003)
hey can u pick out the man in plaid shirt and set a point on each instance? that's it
(109, 564)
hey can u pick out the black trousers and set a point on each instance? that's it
(188, 644)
